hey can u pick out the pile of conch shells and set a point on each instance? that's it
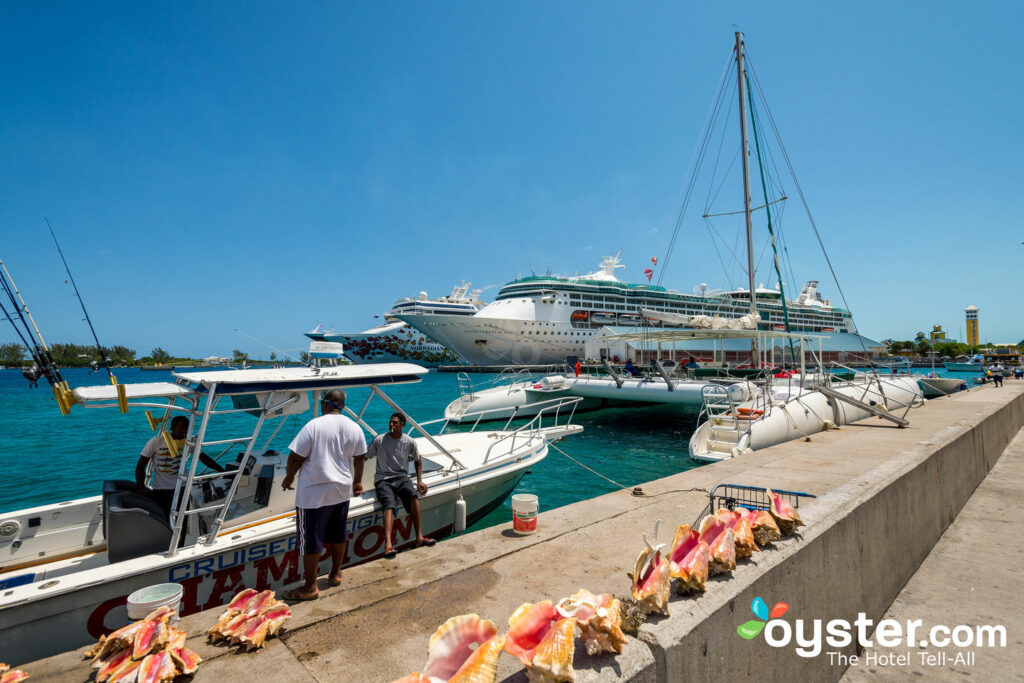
(9, 675)
(147, 651)
(250, 618)
(542, 635)
(712, 549)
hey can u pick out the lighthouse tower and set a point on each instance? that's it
(972, 325)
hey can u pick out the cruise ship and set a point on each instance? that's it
(395, 341)
(545, 319)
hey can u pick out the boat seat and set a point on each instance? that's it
(113, 486)
(136, 526)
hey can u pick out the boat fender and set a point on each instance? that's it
(460, 515)
(828, 424)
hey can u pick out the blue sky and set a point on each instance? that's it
(270, 167)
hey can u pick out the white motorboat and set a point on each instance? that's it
(394, 341)
(975, 363)
(66, 569)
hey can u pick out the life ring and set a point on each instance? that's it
(748, 414)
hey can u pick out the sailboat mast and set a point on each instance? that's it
(745, 153)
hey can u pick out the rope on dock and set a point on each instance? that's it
(593, 471)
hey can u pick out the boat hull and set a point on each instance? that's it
(261, 559)
(801, 415)
(965, 367)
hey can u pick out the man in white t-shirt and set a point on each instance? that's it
(328, 455)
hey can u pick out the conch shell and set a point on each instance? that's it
(651, 582)
(9, 675)
(599, 618)
(451, 656)
(543, 641)
(762, 525)
(784, 514)
(742, 534)
(688, 560)
(721, 544)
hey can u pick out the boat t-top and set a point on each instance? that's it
(67, 568)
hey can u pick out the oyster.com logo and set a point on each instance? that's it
(751, 629)
(812, 637)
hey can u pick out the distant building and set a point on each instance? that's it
(972, 325)
(937, 333)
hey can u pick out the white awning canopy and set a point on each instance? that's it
(108, 392)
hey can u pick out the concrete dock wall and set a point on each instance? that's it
(862, 543)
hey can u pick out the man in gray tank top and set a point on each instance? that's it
(392, 482)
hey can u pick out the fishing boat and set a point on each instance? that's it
(67, 568)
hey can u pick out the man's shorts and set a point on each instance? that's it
(317, 526)
(390, 491)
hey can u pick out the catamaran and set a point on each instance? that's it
(67, 569)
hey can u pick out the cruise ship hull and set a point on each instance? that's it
(503, 341)
(392, 343)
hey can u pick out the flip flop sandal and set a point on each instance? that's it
(429, 542)
(390, 553)
(295, 596)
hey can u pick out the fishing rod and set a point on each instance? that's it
(308, 364)
(99, 347)
(38, 349)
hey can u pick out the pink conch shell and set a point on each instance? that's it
(12, 675)
(741, 531)
(721, 545)
(127, 672)
(152, 636)
(157, 668)
(482, 665)
(599, 618)
(452, 644)
(186, 660)
(762, 525)
(553, 660)
(112, 663)
(412, 678)
(651, 582)
(688, 560)
(527, 627)
(250, 619)
(543, 641)
(784, 514)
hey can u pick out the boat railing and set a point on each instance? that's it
(535, 426)
(465, 387)
(717, 405)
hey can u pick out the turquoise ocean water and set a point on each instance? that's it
(46, 457)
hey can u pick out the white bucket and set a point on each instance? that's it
(524, 513)
(145, 600)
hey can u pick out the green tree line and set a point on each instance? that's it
(67, 355)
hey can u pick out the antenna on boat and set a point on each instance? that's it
(308, 364)
(71, 278)
(744, 152)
